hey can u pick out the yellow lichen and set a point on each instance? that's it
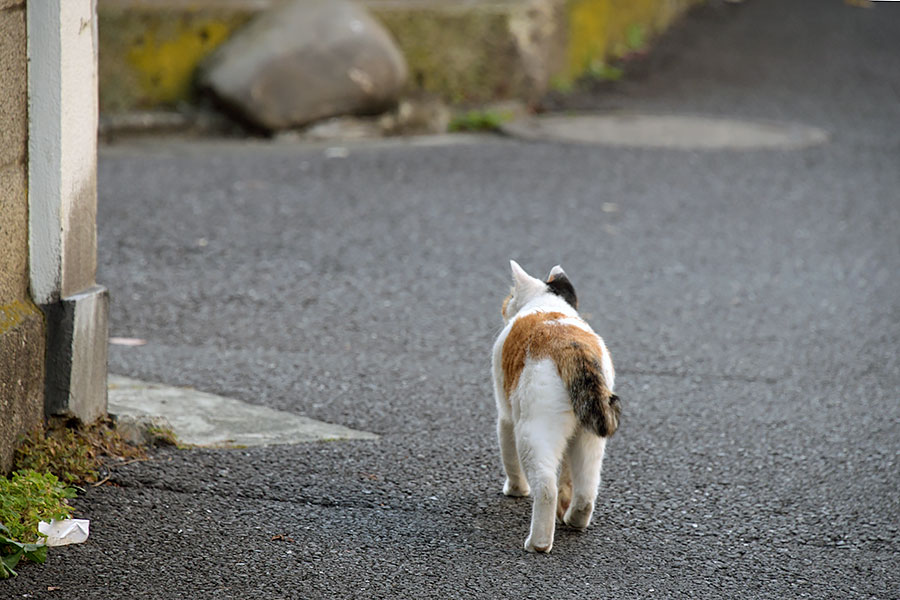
(14, 313)
(588, 35)
(166, 60)
(600, 30)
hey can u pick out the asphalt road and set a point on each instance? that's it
(750, 300)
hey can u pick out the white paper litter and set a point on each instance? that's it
(67, 531)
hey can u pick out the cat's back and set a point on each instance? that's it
(563, 339)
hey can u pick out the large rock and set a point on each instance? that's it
(307, 60)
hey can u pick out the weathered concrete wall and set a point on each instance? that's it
(469, 53)
(21, 323)
(149, 51)
(465, 51)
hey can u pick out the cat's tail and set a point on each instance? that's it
(595, 406)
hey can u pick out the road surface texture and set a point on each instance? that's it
(751, 301)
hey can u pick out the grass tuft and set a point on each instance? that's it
(47, 462)
(26, 498)
(479, 120)
(75, 455)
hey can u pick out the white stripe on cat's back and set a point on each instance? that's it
(575, 322)
(546, 303)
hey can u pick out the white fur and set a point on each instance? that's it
(557, 270)
(545, 451)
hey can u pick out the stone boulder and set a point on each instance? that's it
(306, 60)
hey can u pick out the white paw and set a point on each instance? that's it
(518, 489)
(578, 518)
(544, 547)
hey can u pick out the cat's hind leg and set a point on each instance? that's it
(541, 446)
(545, 424)
(516, 484)
(586, 455)
(564, 496)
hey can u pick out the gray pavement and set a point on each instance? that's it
(750, 299)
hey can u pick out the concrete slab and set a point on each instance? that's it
(204, 419)
(666, 131)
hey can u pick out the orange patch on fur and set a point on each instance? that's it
(540, 335)
(505, 304)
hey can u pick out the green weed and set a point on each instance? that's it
(11, 552)
(605, 72)
(635, 37)
(73, 454)
(163, 436)
(479, 120)
(46, 462)
(563, 85)
(26, 498)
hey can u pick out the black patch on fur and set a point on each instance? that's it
(562, 287)
(596, 408)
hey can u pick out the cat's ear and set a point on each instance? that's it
(525, 284)
(520, 277)
(559, 284)
(557, 270)
(518, 272)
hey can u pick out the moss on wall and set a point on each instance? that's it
(463, 56)
(600, 30)
(21, 374)
(21, 322)
(148, 57)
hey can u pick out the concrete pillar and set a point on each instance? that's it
(62, 200)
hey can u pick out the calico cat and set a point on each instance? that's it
(553, 383)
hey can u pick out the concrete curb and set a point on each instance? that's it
(463, 51)
(669, 131)
(203, 419)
